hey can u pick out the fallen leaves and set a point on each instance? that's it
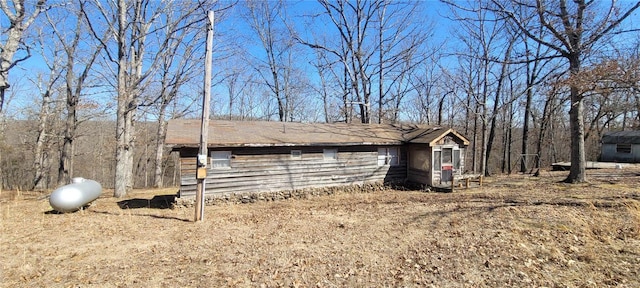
(525, 232)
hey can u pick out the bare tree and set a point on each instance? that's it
(483, 39)
(549, 119)
(500, 83)
(179, 64)
(19, 19)
(70, 38)
(266, 19)
(42, 156)
(402, 39)
(134, 26)
(572, 29)
(430, 89)
(236, 81)
(538, 67)
(323, 89)
(353, 22)
(45, 133)
(334, 81)
(129, 77)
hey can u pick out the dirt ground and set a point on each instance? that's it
(514, 231)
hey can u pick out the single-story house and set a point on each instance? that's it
(260, 156)
(621, 146)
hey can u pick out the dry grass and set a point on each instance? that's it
(516, 231)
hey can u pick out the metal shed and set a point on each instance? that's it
(621, 146)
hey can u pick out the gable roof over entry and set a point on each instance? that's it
(223, 133)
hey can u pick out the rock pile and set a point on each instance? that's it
(238, 198)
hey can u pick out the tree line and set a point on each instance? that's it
(87, 86)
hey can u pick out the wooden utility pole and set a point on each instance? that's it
(201, 170)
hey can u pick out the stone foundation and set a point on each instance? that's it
(233, 198)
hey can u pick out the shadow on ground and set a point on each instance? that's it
(55, 212)
(157, 202)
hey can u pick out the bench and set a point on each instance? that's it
(467, 178)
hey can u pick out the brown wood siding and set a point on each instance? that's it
(419, 176)
(273, 169)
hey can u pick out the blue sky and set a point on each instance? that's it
(24, 80)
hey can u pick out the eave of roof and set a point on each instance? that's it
(621, 137)
(186, 133)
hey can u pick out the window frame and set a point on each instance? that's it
(447, 155)
(223, 156)
(387, 157)
(437, 154)
(623, 148)
(457, 163)
(330, 154)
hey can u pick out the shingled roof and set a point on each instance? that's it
(621, 137)
(222, 133)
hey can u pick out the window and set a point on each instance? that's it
(437, 165)
(330, 154)
(296, 154)
(220, 159)
(382, 156)
(446, 155)
(623, 148)
(456, 159)
(388, 156)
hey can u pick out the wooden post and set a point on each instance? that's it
(201, 174)
(452, 184)
(481, 180)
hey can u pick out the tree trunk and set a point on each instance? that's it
(496, 101)
(124, 114)
(124, 151)
(508, 138)
(577, 173)
(440, 109)
(525, 131)
(381, 14)
(345, 96)
(39, 165)
(474, 159)
(66, 153)
(160, 135)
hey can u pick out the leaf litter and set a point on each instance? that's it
(514, 231)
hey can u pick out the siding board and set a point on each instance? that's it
(253, 171)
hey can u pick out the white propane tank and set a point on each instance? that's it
(74, 196)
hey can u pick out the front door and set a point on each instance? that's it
(447, 165)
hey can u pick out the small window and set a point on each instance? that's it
(220, 159)
(330, 154)
(296, 154)
(388, 156)
(623, 148)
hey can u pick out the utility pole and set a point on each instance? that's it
(201, 170)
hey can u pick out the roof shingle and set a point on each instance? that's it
(223, 133)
